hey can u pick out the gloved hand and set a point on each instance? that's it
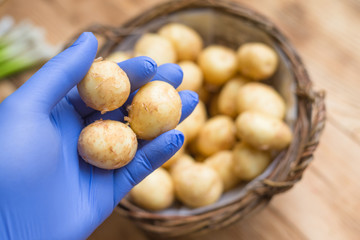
(46, 190)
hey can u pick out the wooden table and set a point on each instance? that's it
(326, 203)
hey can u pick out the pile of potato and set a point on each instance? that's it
(232, 131)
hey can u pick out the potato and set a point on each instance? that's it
(228, 96)
(223, 163)
(217, 134)
(6, 89)
(218, 64)
(261, 98)
(182, 162)
(155, 192)
(257, 60)
(105, 87)
(249, 162)
(157, 47)
(263, 131)
(197, 185)
(175, 157)
(155, 109)
(193, 76)
(187, 41)
(118, 56)
(192, 124)
(107, 144)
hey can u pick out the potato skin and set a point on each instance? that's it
(107, 144)
(218, 64)
(186, 41)
(223, 163)
(261, 98)
(155, 109)
(257, 60)
(105, 87)
(263, 131)
(157, 47)
(217, 134)
(197, 185)
(249, 162)
(228, 96)
(155, 192)
(193, 123)
(193, 76)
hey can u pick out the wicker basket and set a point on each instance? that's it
(230, 24)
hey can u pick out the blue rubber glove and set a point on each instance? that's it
(46, 190)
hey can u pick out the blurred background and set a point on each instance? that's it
(326, 33)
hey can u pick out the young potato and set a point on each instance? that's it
(174, 158)
(187, 41)
(217, 134)
(223, 163)
(155, 109)
(157, 47)
(197, 185)
(192, 124)
(6, 89)
(155, 192)
(119, 56)
(249, 162)
(193, 76)
(260, 98)
(107, 144)
(228, 96)
(105, 87)
(218, 64)
(263, 131)
(182, 162)
(257, 60)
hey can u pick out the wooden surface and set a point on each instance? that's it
(326, 203)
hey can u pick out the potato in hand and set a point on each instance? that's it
(107, 144)
(155, 109)
(105, 87)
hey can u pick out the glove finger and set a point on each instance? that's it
(140, 70)
(146, 160)
(189, 100)
(59, 75)
(170, 73)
